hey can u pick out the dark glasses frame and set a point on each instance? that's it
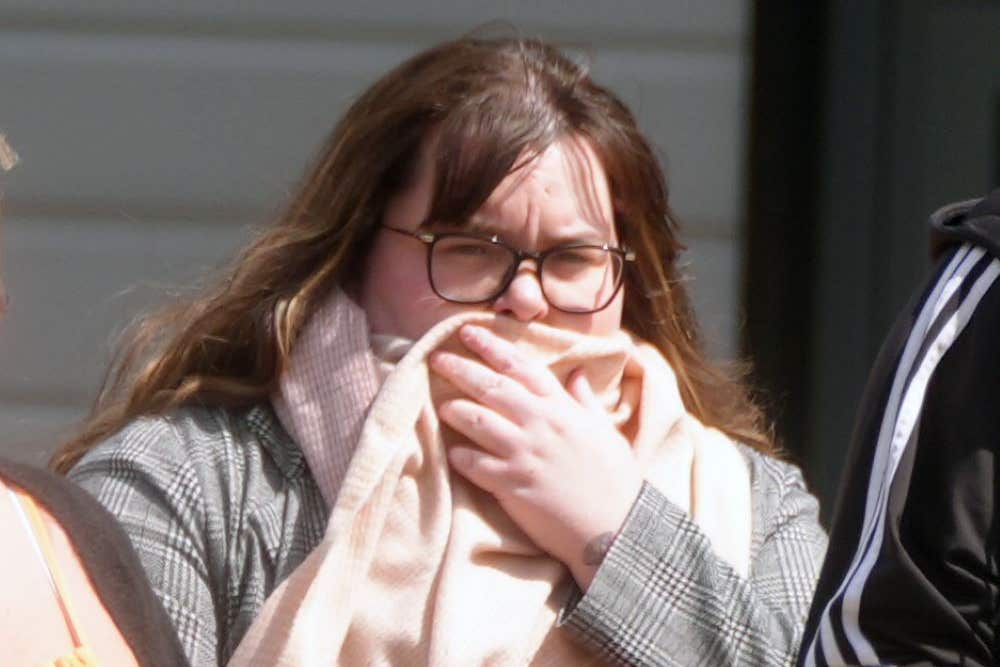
(429, 239)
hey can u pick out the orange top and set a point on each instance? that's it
(48, 607)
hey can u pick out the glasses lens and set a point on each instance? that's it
(581, 280)
(468, 269)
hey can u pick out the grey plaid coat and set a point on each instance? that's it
(221, 507)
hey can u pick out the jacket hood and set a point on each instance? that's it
(975, 221)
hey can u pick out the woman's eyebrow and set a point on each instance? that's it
(471, 225)
(580, 232)
(577, 230)
(482, 224)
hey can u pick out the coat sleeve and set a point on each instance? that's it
(928, 440)
(662, 597)
(144, 477)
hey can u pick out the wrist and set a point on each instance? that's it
(591, 558)
(586, 559)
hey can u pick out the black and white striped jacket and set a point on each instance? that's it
(911, 574)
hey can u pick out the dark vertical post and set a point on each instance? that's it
(785, 132)
(995, 182)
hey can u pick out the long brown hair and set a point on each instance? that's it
(489, 102)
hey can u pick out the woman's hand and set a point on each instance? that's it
(550, 455)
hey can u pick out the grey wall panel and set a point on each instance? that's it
(961, 159)
(692, 106)
(32, 432)
(713, 266)
(157, 126)
(625, 17)
(73, 284)
(191, 128)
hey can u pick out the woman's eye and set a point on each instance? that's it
(578, 257)
(468, 249)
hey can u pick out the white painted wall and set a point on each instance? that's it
(154, 135)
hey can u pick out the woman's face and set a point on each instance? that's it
(561, 197)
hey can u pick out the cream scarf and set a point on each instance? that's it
(417, 566)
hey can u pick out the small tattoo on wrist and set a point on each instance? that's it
(597, 549)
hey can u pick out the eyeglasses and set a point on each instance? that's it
(470, 268)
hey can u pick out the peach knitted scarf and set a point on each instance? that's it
(419, 567)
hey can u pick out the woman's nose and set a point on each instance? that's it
(523, 299)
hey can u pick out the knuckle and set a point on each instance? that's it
(524, 472)
(506, 365)
(491, 388)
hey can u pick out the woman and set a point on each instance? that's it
(484, 192)
(74, 592)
